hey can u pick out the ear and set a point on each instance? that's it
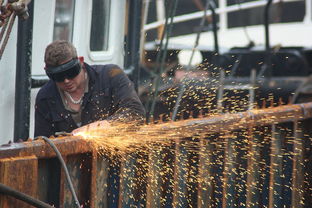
(81, 59)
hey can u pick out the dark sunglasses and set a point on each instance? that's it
(69, 70)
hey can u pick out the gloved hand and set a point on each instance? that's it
(97, 125)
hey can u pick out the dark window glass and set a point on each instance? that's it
(232, 2)
(64, 20)
(279, 13)
(100, 25)
(183, 7)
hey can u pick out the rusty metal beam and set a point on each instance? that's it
(214, 124)
(230, 122)
(66, 145)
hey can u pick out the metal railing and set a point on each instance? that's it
(223, 11)
(257, 158)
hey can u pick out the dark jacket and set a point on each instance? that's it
(111, 96)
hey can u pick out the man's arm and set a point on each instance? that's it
(126, 103)
(125, 99)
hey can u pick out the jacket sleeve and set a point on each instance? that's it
(126, 102)
(43, 125)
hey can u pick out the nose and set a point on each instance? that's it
(66, 80)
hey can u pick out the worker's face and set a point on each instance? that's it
(72, 84)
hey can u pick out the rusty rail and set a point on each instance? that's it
(258, 158)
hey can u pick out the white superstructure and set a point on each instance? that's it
(291, 24)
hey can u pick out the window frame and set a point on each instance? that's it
(103, 55)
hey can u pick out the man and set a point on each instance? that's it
(78, 94)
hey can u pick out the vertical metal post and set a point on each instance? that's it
(133, 40)
(205, 183)
(99, 183)
(114, 192)
(127, 173)
(212, 7)
(180, 175)
(252, 89)
(133, 180)
(220, 91)
(153, 192)
(276, 169)
(228, 200)
(253, 170)
(308, 11)
(23, 76)
(297, 172)
(223, 22)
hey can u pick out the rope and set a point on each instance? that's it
(182, 90)
(155, 80)
(8, 14)
(4, 26)
(163, 55)
(7, 35)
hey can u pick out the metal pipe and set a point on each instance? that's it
(266, 67)
(162, 55)
(266, 25)
(38, 81)
(23, 76)
(133, 41)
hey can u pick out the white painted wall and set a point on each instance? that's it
(7, 88)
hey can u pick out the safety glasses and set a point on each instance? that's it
(68, 70)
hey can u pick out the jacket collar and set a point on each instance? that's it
(92, 73)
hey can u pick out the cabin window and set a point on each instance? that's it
(99, 25)
(64, 20)
(233, 2)
(181, 28)
(281, 12)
